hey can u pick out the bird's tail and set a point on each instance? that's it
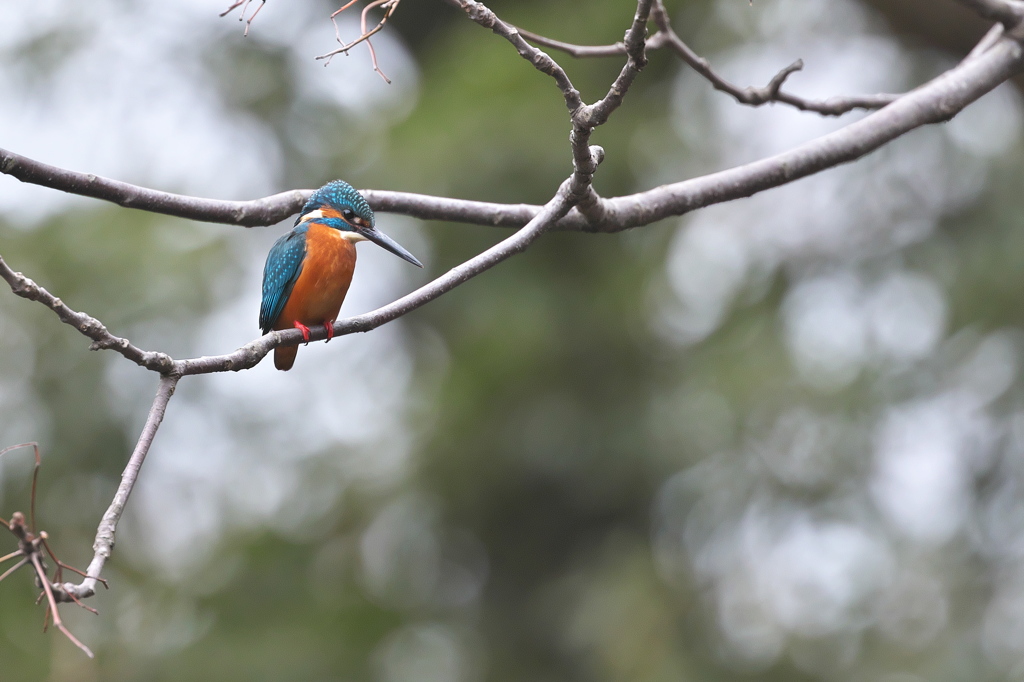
(284, 357)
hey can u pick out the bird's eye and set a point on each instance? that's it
(348, 214)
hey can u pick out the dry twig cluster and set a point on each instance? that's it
(31, 547)
(388, 7)
(574, 206)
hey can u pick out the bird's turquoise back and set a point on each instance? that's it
(284, 265)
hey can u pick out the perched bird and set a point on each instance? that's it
(309, 269)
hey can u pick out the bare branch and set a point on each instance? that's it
(597, 113)
(1010, 13)
(584, 118)
(772, 92)
(52, 604)
(16, 566)
(245, 5)
(104, 543)
(266, 211)
(479, 13)
(936, 101)
(89, 326)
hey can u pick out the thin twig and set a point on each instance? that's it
(15, 567)
(61, 565)
(389, 8)
(654, 42)
(52, 606)
(772, 92)
(245, 6)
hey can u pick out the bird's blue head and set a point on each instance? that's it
(338, 205)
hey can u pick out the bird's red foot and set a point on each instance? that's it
(304, 329)
(329, 326)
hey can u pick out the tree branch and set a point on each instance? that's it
(89, 326)
(772, 92)
(584, 118)
(104, 543)
(266, 211)
(937, 100)
(1010, 13)
(541, 61)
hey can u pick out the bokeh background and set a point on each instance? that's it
(778, 439)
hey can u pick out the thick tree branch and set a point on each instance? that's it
(266, 211)
(1010, 13)
(104, 543)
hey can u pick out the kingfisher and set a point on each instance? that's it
(309, 269)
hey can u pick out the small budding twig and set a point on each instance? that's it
(389, 7)
(245, 5)
(31, 545)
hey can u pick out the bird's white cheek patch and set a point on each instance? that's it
(311, 215)
(353, 237)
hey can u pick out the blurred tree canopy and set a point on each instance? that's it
(777, 439)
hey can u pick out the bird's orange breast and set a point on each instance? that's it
(326, 274)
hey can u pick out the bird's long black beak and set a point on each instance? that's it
(382, 240)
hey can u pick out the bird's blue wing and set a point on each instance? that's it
(284, 265)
